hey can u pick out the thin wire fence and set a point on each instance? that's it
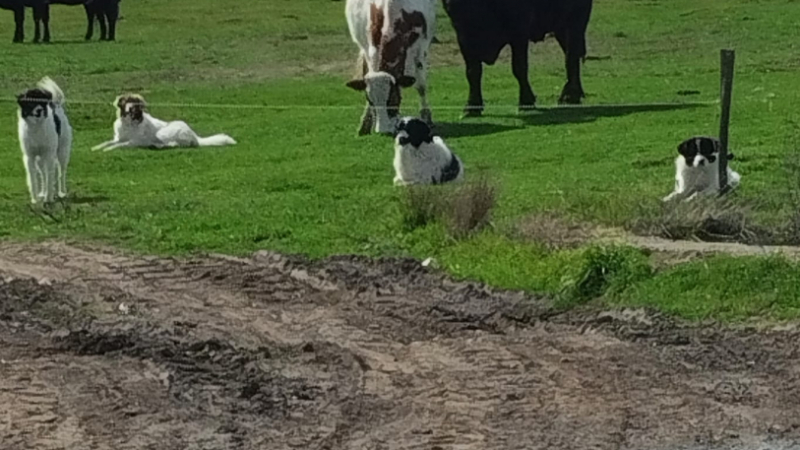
(359, 106)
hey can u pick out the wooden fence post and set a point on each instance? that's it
(727, 61)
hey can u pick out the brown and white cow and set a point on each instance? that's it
(394, 37)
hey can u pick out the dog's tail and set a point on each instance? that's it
(218, 140)
(50, 86)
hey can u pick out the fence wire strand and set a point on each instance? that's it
(360, 106)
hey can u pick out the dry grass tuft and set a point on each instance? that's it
(554, 230)
(709, 219)
(463, 208)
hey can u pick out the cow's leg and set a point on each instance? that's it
(474, 106)
(367, 120)
(574, 46)
(101, 21)
(519, 65)
(112, 14)
(45, 17)
(37, 19)
(89, 22)
(422, 89)
(19, 24)
(474, 68)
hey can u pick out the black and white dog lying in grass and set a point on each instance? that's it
(135, 127)
(45, 137)
(421, 158)
(697, 169)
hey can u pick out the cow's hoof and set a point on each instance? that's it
(365, 129)
(426, 116)
(473, 111)
(571, 97)
(569, 100)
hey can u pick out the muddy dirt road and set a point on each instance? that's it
(99, 350)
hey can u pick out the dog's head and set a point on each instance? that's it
(384, 94)
(130, 106)
(414, 131)
(33, 104)
(701, 151)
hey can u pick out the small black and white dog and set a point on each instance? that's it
(697, 169)
(421, 158)
(45, 137)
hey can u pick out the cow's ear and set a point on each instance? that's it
(406, 82)
(357, 85)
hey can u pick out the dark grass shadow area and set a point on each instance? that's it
(87, 199)
(470, 128)
(63, 42)
(583, 114)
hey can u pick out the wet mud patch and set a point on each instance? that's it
(103, 350)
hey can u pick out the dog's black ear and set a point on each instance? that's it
(357, 85)
(683, 148)
(406, 82)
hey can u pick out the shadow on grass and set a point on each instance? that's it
(583, 114)
(470, 128)
(81, 41)
(87, 199)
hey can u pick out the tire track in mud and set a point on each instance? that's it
(103, 350)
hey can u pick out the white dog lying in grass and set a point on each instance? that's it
(135, 127)
(421, 158)
(697, 169)
(45, 136)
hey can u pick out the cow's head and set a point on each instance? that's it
(383, 95)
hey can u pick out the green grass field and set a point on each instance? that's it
(272, 75)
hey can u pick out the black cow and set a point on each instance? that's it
(105, 11)
(18, 8)
(485, 27)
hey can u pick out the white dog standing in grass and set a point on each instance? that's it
(45, 136)
(421, 158)
(697, 169)
(136, 128)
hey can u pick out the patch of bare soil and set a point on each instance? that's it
(555, 231)
(106, 351)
